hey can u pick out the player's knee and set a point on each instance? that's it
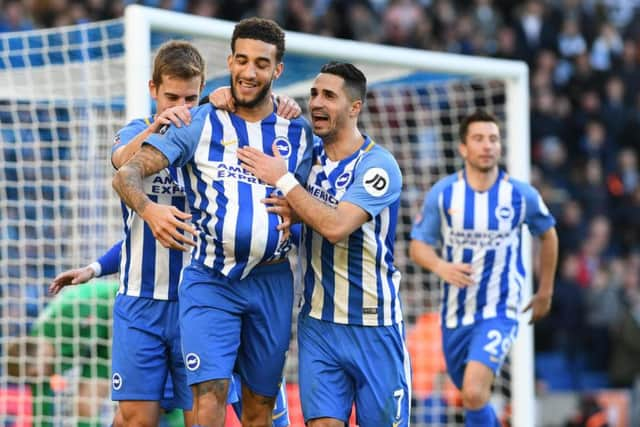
(325, 422)
(257, 410)
(256, 420)
(136, 416)
(139, 421)
(210, 399)
(212, 393)
(475, 396)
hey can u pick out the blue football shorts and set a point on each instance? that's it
(487, 341)
(147, 353)
(345, 364)
(239, 326)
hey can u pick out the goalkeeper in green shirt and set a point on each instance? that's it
(67, 354)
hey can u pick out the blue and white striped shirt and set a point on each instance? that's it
(148, 269)
(235, 231)
(354, 281)
(483, 229)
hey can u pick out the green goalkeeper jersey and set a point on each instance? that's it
(78, 323)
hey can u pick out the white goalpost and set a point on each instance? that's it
(64, 93)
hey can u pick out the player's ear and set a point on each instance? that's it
(356, 107)
(153, 90)
(229, 60)
(462, 149)
(279, 70)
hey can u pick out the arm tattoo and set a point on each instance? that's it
(128, 179)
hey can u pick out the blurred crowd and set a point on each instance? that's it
(584, 58)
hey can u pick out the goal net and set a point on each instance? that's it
(65, 92)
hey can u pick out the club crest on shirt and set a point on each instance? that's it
(284, 146)
(504, 213)
(343, 180)
(376, 182)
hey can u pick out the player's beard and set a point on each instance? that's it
(484, 168)
(259, 98)
(331, 133)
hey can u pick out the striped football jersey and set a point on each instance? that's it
(148, 269)
(484, 229)
(354, 281)
(235, 231)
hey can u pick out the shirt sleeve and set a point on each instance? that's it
(178, 144)
(377, 183)
(110, 260)
(426, 226)
(537, 215)
(128, 133)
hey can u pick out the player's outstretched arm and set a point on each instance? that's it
(76, 276)
(540, 304)
(166, 222)
(456, 274)
(108, 263)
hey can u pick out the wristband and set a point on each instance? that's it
(286, 183)
(96, 267)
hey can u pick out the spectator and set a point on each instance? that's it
(592, 190)
(614, 110)
(593, 250)
(590, 414)
(486, 19)
(552, 155)
(204, 8)
(571, 42)
(583, 79)
(629, 70)
(623, 181)
(544, 117)
(14, 17)
(533, 31)
(400, 21)
(571, 226)
(602, 305)
(564, 329)
(628, 222)
(595, 144)
(607, 48)
(506, 44)
(624, 367)
(365, 23)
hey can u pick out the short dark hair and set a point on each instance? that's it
(354, 79)
(476, 116)
(261, 29)
(179, 59)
